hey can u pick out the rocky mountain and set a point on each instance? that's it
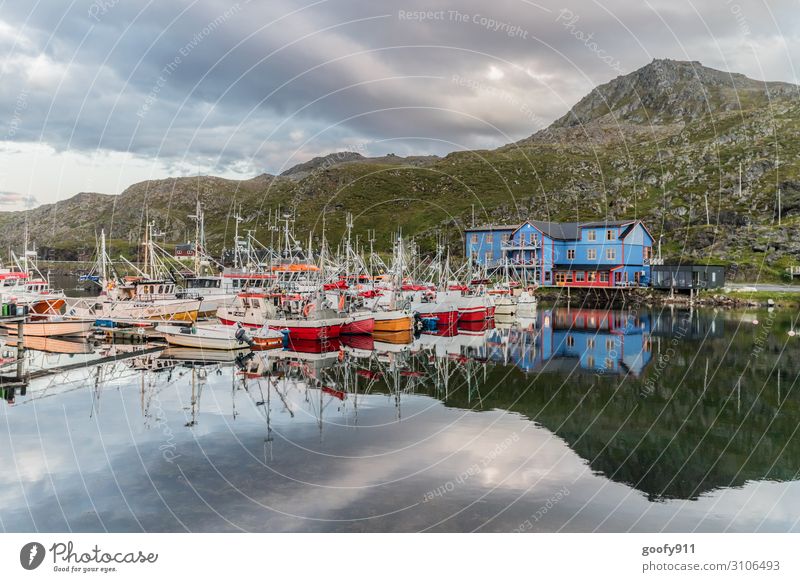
(667, 92)
(666, 143)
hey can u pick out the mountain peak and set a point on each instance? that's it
(667, 91)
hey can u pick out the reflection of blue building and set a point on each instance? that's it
(593, 340)
(570, 254)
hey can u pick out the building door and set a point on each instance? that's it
(617, 278)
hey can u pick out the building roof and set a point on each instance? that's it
(571, 230)
(559, 230)
(493, 227)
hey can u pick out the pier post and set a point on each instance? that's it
(21, 349)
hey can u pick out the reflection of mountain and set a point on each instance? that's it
(676, 439)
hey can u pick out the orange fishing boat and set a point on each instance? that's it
(393, 321)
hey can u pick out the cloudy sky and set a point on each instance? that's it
(98, 94)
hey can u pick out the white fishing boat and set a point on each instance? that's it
(504, 306)
(302, 318)
(220, 337)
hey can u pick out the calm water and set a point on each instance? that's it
(569, 421)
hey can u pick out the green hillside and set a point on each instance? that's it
(664, 143)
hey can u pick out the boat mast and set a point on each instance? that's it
(147, 249)
(199, 235)
(103, 265)
(237, 219)
(25, 251)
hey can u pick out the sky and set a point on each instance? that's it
(100, 94)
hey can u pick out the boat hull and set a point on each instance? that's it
(393, 322)
(316, 332)
(443, 318)
(183, 310)
(73, 328)
(359, 325)
(267, 343)
(202, 343)
(472, 314)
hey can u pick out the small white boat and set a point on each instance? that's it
(505, 306)
(220, 337)
(53, 327)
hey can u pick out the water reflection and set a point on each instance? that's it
(650, 419)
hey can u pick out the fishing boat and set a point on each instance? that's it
(302, 318)
(25, 285)
(472, 308)
(359, 323)
(219, 337)
(446, 314)
(504, 306)
(398, 320)
(53, 326)
(145, 296)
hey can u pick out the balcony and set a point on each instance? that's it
(519, 246)
(499, 263)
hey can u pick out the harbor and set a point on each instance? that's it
(330, 387)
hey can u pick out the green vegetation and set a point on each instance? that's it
(679, 173)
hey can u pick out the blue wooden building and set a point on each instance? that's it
(571, 254)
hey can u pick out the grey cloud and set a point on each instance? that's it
(215, 81)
